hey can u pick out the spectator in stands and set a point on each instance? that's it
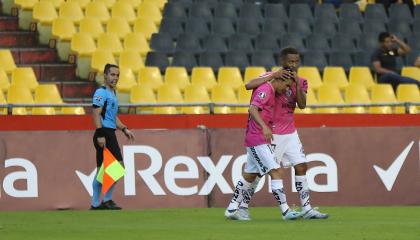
(384, 60)
(417, 62)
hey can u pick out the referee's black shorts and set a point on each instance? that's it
(111, 143)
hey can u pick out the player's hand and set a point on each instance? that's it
(268, 135)
(101, 141)
(282, 74)
(129, 135)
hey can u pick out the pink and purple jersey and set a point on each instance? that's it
(263, 98)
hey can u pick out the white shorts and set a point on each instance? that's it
(260, 159)
(288, 149)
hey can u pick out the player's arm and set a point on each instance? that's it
(379, 69)
(124, 129)
(256, 82)
(404, 48)
(300, 93)
(253, 112)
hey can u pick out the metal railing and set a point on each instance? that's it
(210, 105)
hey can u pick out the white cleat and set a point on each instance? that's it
(244, 212)
(235, 215)
(315, 214)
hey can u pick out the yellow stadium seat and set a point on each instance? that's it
(177, 76)
(124, 10)
(44, 12)
(47, 93)
(382, 93)
(83, 44)
(18, 94)
(145, 26)
(159, 3)
(203, 76)
(223, 94)
(253, 72)
(110, 42)
(55, 3)
(100, 58)
(356, 94)
(72, 11)
(408, 93)
(412, 72)
(311, 74)
(43, 111)
(335, 76)
(230, 76)
(310, 100)
(131, 60)
(99, 10)
(24, 76)
(168, 94)
(126, 80)
(73, 110)
(244, 97)
(82, 3)
(136, 42)
(3, 111)
(150, 76)
(144, 95)
(275, 68)
(26, 4)
(7, 63)
(361, 75)
(151, 11)
(92, 26)
(196, 94)
(132, 3)
(108, 3)
(4, 81)
(329, 94)
(119, 26)
(63, 29)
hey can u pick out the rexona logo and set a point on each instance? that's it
(215, 170)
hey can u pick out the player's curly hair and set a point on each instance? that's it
(109, 66)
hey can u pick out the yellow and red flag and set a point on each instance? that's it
(110, 171)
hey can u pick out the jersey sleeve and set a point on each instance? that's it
(261, 96)
(99, 98)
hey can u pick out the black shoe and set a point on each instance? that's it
(100, 207)
(110, 205)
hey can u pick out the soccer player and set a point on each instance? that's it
(260, 158)
(289, 149)
(105, 108)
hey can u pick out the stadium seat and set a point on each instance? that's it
(240, 42)
(267, 42)
(3, 111)
(293, 40)
(162, 42)
(400, 12)
(373, 26)
(343, 43)
(133, 3)
(362, 58)
(63, 29)
(110, 42)
(408, 93)
(249, 27)
(324, 27)
(274, 27)
(382, 93)
(99, 10)
(47, 94)
(159, 3)
(400, 26)
(417, 12)
(275, 11)
(237, 59)
(73, 110)
(342, 59)
(413, 72)
(83, 44)
(151, 11)
(124, 10)
(184, 59)
(172, 26)
(349, 27)
(251, 11)
(311, 74)
(317, 42)
(43, 111)
(4, 81)
(196, 94)
(72, 11)
(223, 94)
(177, 76)
(201, 10)
(126, 80)
(7, 63)
(175, 11)
(82, 3)
(230, 76)
(26, 4)
(203, 76)
(222, 27)
(215, 43)
(136, 42)
(150, 76)
(118, 26)
(141, 94)
(329, 94)
(145, 26)
(326, 11)
(411, 57)
(315, 59)
(362, 76)
(376, 11)
(24, 76)
(100, 58)
(198, 27)
(188, 43)
(299, 26)
(211, 59)
(244, 97)
(108, 3)
(236, 3)
(253, 72)
(92, 26)
(157, 59)
(301, 10)
(18, 94)
(263, 58)
(350, 11)
(225, 10)
(131, 59)
(310, 100)
(168, 94)
(356, 94)
(416, 30)
(368, 41)
(44, 12)
(335, 76)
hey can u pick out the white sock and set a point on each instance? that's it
(278, 192)
(237, 197)
(248, 193)
(303, 189)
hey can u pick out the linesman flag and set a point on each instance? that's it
(110, 171)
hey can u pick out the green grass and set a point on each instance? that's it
(382, 223)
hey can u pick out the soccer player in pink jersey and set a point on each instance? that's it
(260, 155)
(289, 149)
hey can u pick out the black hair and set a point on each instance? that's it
(109, 66)
(288, 50)
(382, 36)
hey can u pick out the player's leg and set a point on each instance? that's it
(243, 206)
(97, 186)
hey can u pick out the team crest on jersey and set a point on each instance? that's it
(288, 92)
(261, 95)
